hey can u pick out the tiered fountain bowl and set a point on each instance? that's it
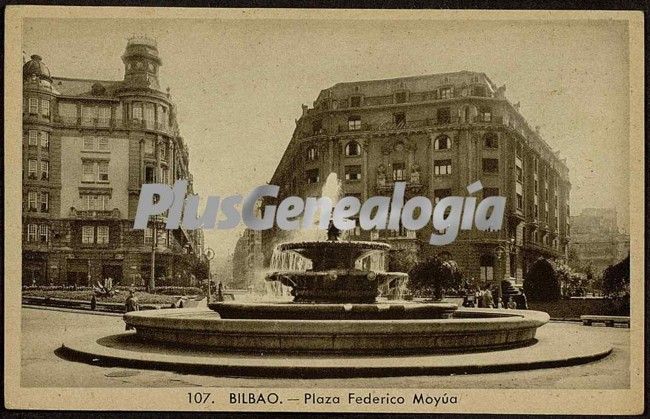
(335, 310)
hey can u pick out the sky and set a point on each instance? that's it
(239, 84)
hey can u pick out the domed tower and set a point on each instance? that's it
(35, 69)
(141, 62)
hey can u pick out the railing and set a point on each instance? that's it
(114, 213)
(112, 123)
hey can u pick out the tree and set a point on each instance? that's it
(432, 276)
(541, 282)
(616, 278)
(402, 260)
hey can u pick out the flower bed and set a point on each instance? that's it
(86, 295)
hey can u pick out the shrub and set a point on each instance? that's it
(616, 278)
(541, 282)
(432, 276)
(178, 290)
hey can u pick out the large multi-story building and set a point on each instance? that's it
(596, 240)
(438, 133)
(88, 146)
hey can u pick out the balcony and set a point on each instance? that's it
(94, 214)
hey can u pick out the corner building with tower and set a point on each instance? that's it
(88, 146)
(438, 133)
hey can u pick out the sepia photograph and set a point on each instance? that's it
(324, 210)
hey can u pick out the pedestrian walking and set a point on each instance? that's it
(131, 304)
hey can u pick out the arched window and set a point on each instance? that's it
(490, 140)
(487, 267)
(442, 143)
(352, 149)
(312, 153)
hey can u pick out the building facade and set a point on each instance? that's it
(438, 133)
(88, 146)
(597, 241)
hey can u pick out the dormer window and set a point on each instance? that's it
(479, 91)
(445, 93)
(485, 114)
(355, 101)
(317, 126)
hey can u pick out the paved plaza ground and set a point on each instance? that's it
(43, 331)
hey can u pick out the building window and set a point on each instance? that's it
(148, 235)
(44, 233)
(32, 168)
(439, 194)
(399, 119)
(536, 211)
(354, 123)
(399, 172)
(520, 174)
(88, 171)
(164, 175)
(442, 143)
(96, 202)
(353, 172)
(45, 169)
(149, 174)
(136, 112)
(487, 268)
(102, 234)
(89, 144)
(31, 232)
(33, 106)
(355, 101)
(536, 164)
(45, 202)
(32, 198)
(88, 115)
(312, 176)
(149, 147)
(102, 167)
(490, 165)
(102, 144)
(45, 108)
(45, 139)
(490, 192)
(445, 93)
(104, 116)
(149, 114)
(443, 115)
(163, 151)
(490, 140)
(536, 186)
(400, 97)
(442, 167)
(312, 154)
(317, 126)
(520, 202)
(87, 234)
(352, 149)
(33, 137)
(485, 114)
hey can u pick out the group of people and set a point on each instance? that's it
(483, 298)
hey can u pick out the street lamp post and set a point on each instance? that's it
(500, 251)
(154, 243)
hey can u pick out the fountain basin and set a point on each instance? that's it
(326, 255)
(335, 285)
(468, 330)
(298, 311)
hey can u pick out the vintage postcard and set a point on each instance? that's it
(324, 210)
